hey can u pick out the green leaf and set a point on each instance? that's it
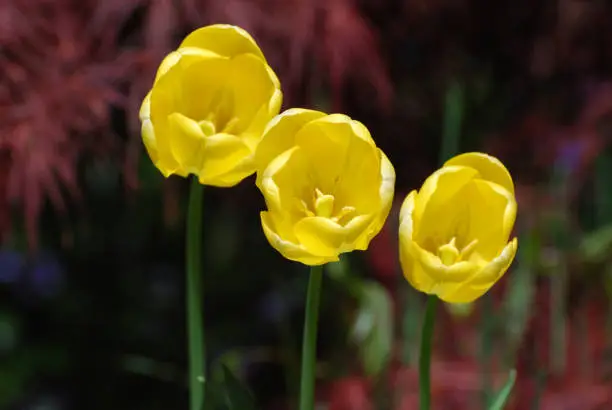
(237, 395)
(603, 195)
(596, 245)
(214, 397)
(224, 391)
(502, 396)
(607, 280)
(518, 300)
(339, 270)
(412, 314)
(372, 329)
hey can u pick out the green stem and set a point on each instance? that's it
(540, 385)
(195, 326)
(412, 306)
(309, 344)
(486, 347)
(425, 357)
(558, 346)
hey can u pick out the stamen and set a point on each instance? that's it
(207, 127)
(467, 251)
(448, 254)
(324, 204)
(344, 214)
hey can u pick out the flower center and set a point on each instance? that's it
(219, 118)
(324, 206)
(211, 127)
(449, 254)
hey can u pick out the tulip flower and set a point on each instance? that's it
(209, 104)
(328, 189)
(454, 232)
(327, 186)
(205, 114)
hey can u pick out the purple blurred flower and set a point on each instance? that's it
(46, 275)
(11, 266)
(277, 304)
(569, 155)
(43, 276)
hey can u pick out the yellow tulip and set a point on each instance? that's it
(454, 232)
(327, 186)
(208, 107)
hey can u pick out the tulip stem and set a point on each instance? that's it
(195, 328)
(425, 357)
(309, 344)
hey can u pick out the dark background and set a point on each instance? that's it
(91, 266)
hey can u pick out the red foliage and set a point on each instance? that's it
(67, 62)
(350, 393)
(457, 380)
(456, 371)
(55, 93)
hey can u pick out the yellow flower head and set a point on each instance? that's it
(328, 188)
(454, 232)
(210, 102)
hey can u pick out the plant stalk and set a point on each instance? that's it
(309, 344)
(425, 356)
(195, 327)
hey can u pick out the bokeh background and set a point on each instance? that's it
(91, 263)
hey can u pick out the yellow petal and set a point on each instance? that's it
(489, 168)
(480, 283)
(320, 236)
(494, 270)
(186, 142)
(186, 56)
(148, 137)
(289, 249)
(254, 133)
(346, 164)
(285, 180)
(223, 39)
(253, 85)
(145, 108)
(193, 90)
(435, 212)
(243, 169)
(359, 232)
(386, 193)
(204, 89)
(325, 143)
(187, 91)
(358, 129)
(158, 105)
(438, 271)
(276, 81)
(279, 136)
(222, 153)
(414, 273)
(510, 211)
(406, 212)
(387, 186)
(422, 269)
(492, 211)
(147, 130)
(411, 266)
